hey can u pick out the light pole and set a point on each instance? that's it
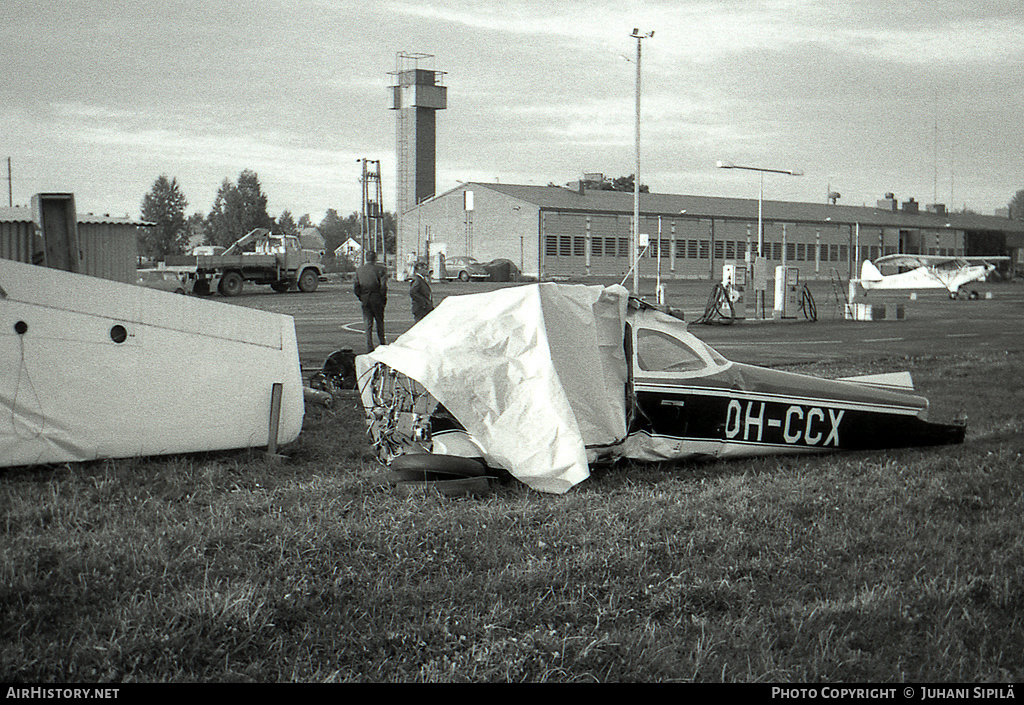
(760, 192)
(635, 229)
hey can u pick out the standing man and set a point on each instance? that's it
(371, 288)
(419, 292)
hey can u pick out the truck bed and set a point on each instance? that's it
(212, 262)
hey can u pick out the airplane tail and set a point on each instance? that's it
(869, 274)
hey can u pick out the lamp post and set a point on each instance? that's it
(635, 229)
(760, 192)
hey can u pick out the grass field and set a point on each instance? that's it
(862, 567)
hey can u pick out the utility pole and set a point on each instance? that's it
(372, 220)
(634, 240)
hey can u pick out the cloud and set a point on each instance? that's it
(538, 91)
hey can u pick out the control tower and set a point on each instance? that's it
(417, 94)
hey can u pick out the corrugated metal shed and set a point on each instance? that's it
(109, 244)
(17, 230)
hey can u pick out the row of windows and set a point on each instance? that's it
(575, 246)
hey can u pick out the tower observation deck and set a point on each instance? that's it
(416, 95)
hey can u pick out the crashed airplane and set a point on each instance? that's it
(96, 369)
(543, 380)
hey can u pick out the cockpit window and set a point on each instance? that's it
(659, 352)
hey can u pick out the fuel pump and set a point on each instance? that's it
(787, 298)
(734, 279)
(760, 286)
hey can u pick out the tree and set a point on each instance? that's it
(336, 230)
(1017, 205)
(198, 230)
(390, 232)
(622, 183)
(164, 205)
(237, 209)
(286, 224)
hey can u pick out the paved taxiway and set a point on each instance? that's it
(330, 318)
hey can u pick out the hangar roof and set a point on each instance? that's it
(599, 201)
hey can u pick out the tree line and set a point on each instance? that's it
(239, 207)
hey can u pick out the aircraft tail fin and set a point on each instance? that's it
(898, 380)
(869, 272)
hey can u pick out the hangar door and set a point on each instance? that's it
(581, 244)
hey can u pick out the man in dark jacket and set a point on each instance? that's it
(371, 288)
(419, 292)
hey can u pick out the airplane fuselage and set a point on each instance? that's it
(950, 279)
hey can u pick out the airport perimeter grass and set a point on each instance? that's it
(862, 567)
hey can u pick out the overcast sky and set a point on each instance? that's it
(923, 99)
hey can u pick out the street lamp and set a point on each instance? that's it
(760, 192)
(635, 234)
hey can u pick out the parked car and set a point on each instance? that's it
(503, 270)
(464, 268)
(161, 279)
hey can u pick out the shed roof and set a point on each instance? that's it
(675, 205)
(24, 214)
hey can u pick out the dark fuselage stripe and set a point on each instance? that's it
(677, 390)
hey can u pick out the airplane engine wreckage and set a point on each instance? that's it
(545, 379)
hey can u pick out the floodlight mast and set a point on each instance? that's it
(760, 192)
(634, 239)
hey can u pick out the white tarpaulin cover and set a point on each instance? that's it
(536, 374)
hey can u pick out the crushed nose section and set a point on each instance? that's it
(398, 411)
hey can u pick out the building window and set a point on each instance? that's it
(597, 246)
(705, 249)
(610, 246)
(551, 245)
(719, 249)
(623, 247)
(801, 252)
(777, 251)
(565, 245)
(844, 253)
(681, 248)
(730, 249)
(579, 246)
(790, 251)
(691, 249)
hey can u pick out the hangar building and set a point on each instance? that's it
(583, 230)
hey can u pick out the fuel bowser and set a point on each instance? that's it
(787, 298)
(734, 279)
(760, 278)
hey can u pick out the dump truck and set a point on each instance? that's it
(280, 261)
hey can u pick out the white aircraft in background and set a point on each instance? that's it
(926, 272)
